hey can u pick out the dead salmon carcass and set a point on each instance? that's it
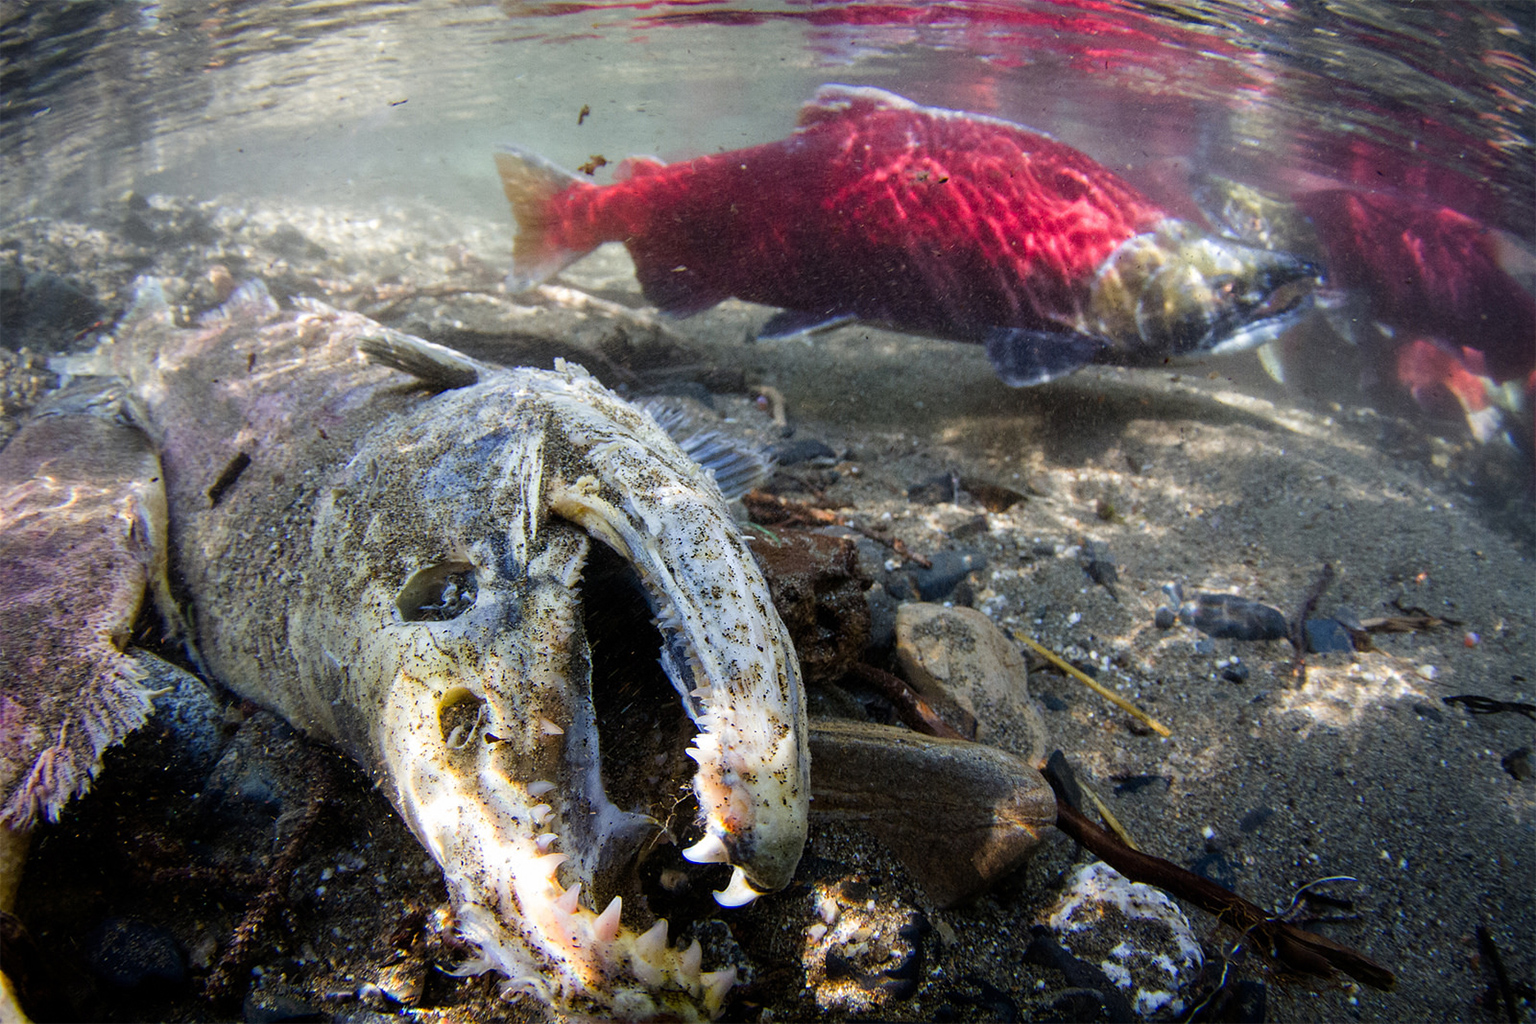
(393, 563)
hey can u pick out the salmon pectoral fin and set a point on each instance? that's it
(1023, 357)
(531, 183)
(793, 321)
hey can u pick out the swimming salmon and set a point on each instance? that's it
(927, 220)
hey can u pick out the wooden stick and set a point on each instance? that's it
(1294, 948)
(1093, 684)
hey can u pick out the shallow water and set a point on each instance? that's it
(342, 150)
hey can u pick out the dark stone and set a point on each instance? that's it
(1215, 867)
(948, 569)
(1230, 617)
(1241, 1002)
(1426, 711)
(1053, 702)
(132, 954)
(1328, 636)
(1518, 763)
(1127, 784)
(1164, 618)
(1255, 818)
(277, 1004)
(1236, 672)
(803, 450)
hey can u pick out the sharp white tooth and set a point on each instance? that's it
(549, 728)
(540, 787)
(739, 893)
(692, 960)
(568, 901)
(709, 850)
(550, 863)
(651, 943)
(717, 985)
(544, 841)
(606, 927)
(541, 813)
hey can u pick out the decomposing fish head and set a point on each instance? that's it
(462, 532)
(1178, 291)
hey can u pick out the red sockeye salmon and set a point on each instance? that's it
(926, 220)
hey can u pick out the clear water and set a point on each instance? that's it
(376, 100)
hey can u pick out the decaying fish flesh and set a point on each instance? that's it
(392, 561)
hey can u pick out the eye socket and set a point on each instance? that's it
(459, 715)
(438, 592)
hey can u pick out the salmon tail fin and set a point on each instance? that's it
(530, 182)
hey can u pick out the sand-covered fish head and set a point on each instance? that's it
(1177, 291)
(478, 522)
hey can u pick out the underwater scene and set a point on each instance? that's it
(784, 511)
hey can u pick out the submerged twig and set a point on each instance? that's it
(1094, 685)
(914, 712)
(221, 979)
(1299, 622)
(1295, 949)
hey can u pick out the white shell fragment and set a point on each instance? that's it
(1132, 932)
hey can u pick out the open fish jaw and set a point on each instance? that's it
(487, 732)
(397, 571)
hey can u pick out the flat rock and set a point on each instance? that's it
(956, 656)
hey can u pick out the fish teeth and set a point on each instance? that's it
(717, 985)
(709, 850)
(568, 901)
(605, 928)
(738, 893)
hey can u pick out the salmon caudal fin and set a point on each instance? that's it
(531, 182)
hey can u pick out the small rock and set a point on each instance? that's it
(957, 655)
(945, 571)
(1518, 763)
(275, 1003)
(804, 450)
(1328, 636)
(1135, 933)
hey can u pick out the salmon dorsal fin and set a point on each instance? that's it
(834, 102)
(632, 167)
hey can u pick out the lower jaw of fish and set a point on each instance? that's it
(1279, 313)
(501, 839)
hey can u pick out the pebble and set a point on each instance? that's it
(1136, 935)
(958, 656)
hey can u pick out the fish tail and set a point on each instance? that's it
(531, 182)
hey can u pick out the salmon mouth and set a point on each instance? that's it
(1280, 310)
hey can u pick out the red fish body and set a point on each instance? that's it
(1427, 270)
(928, 220)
